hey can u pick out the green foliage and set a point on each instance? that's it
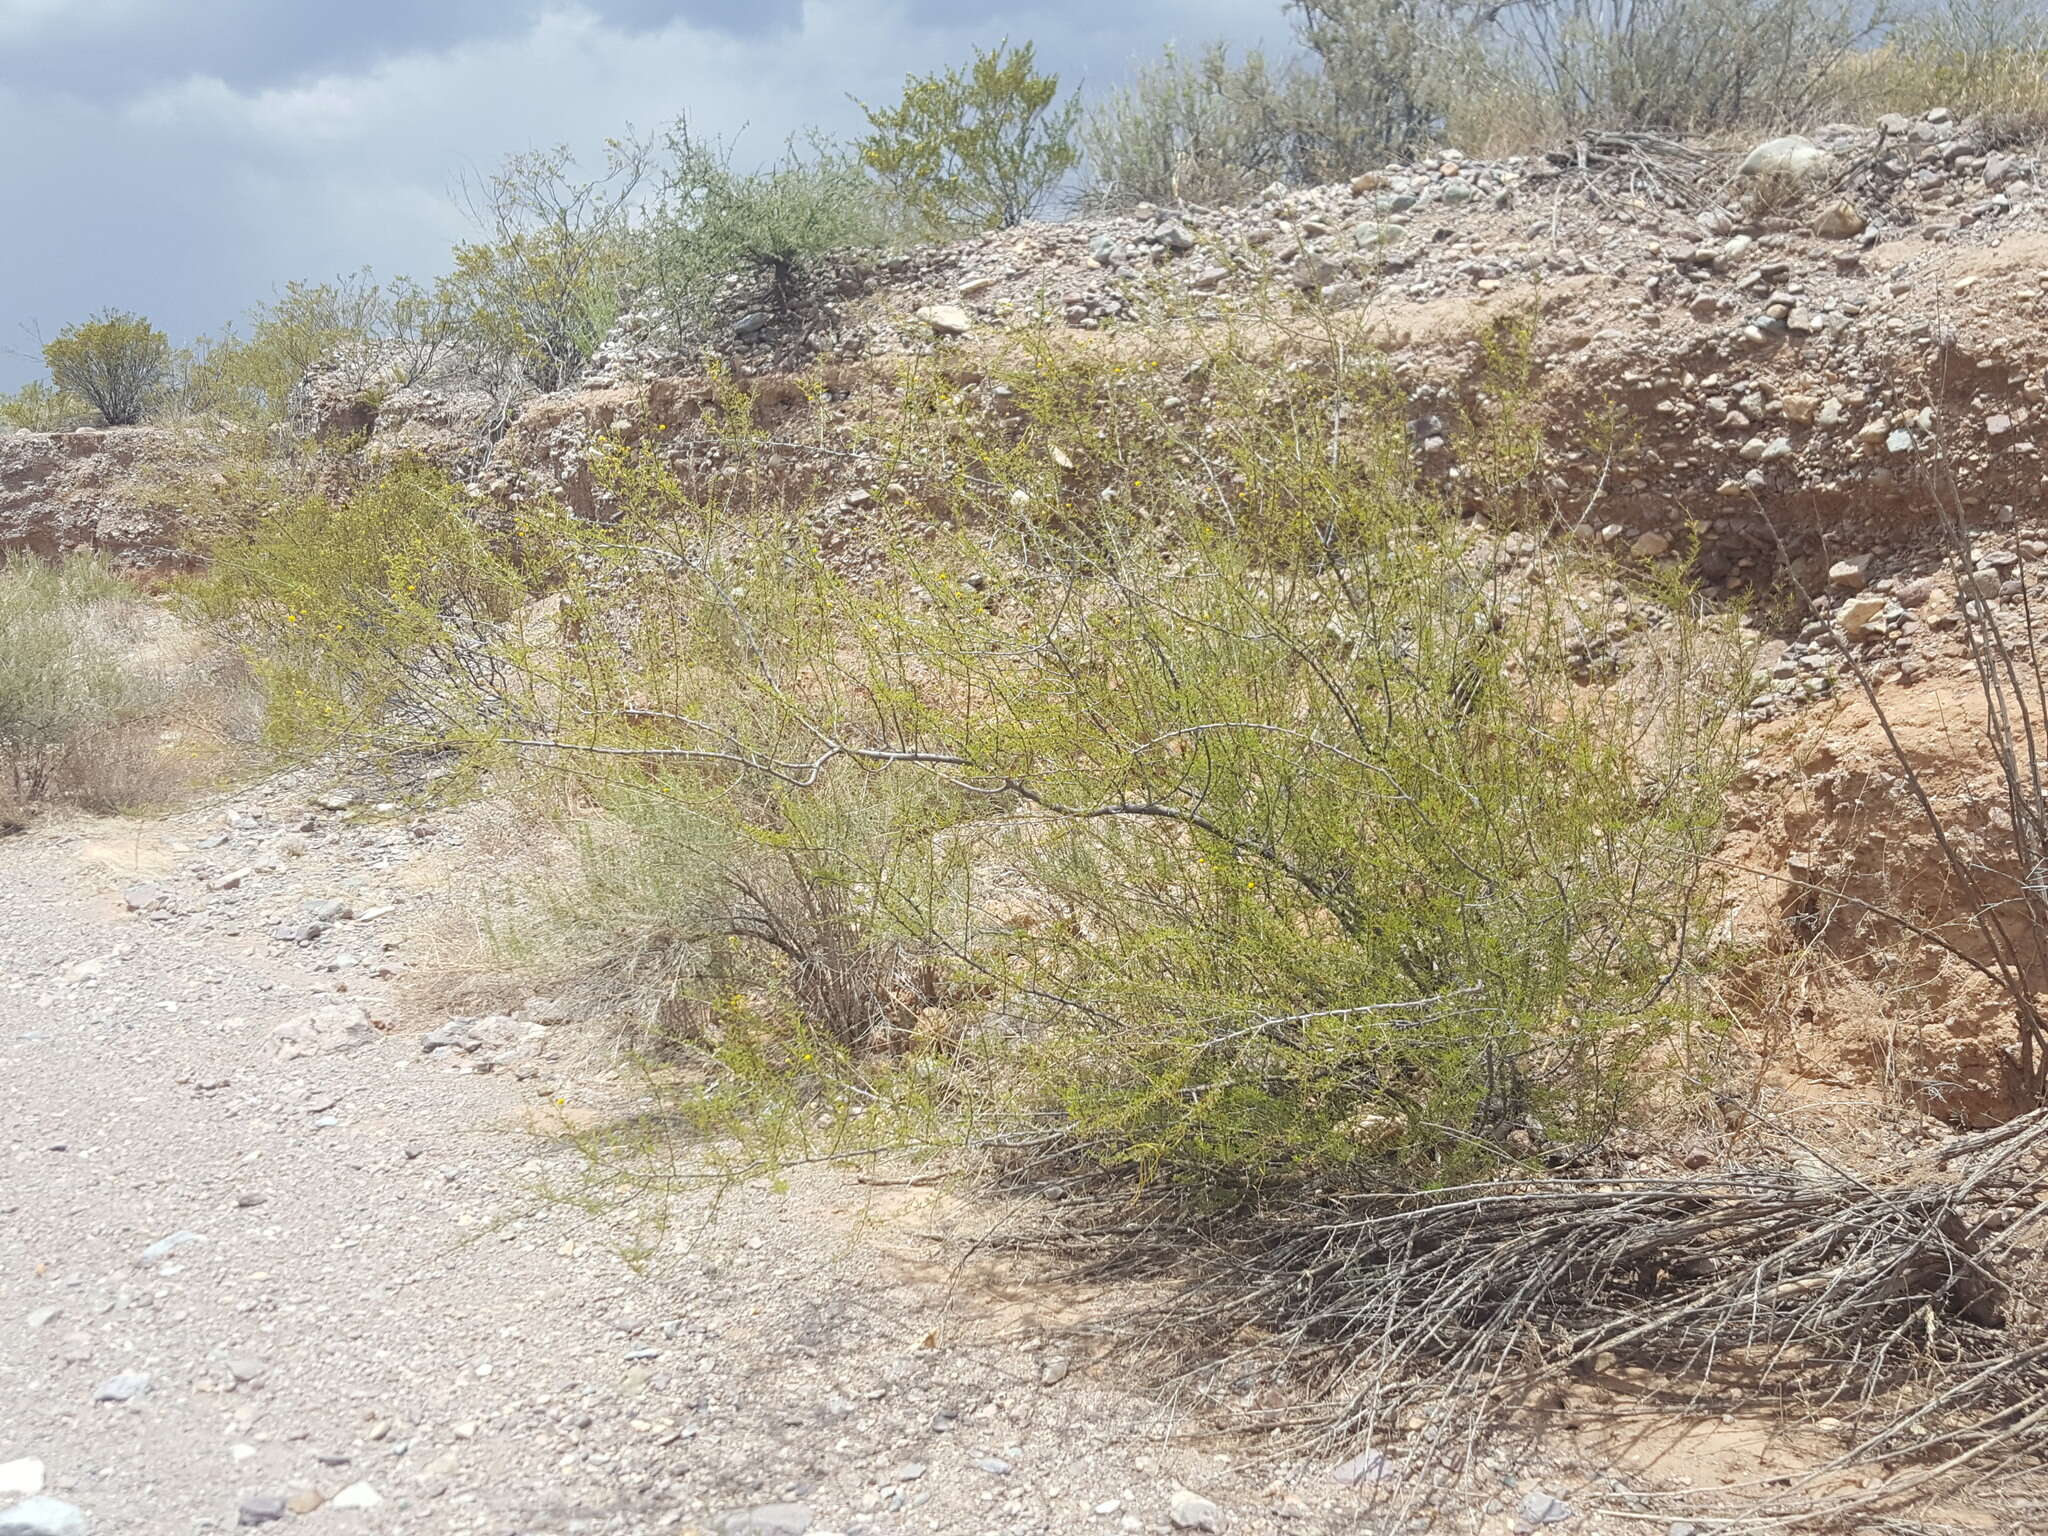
(69, 690)
(115, 362)
(982, 147)
(539, 290)
(1194, 789)
(1202, 130)
(41, 407)
(362, 614)
(353, 320)
(711, 222)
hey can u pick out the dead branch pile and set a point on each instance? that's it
(1896, 1300)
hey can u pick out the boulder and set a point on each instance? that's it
(1791, 159)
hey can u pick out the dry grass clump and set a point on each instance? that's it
(104, 703)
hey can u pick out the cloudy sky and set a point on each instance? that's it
(184, 157)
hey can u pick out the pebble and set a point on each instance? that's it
(1365, 1467)
(1539, 1508)
(1189, 1511)
(42, 1317)
(124, 1388)
(261, 1509)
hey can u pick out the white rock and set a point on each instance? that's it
(946, 319)
(356, 1496)
(1791, 158)
(1189, 1511)
(42, 1517)
(21, 1479)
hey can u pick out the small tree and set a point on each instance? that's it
(983, 147)
(114, 362)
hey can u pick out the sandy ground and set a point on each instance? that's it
(367, 1318)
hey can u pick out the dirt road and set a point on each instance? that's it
(236, 1289)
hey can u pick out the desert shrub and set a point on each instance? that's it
(541, 286)
(1973, 56)
(1204, 793)
(979, 147)
(81, 699)
(366, 614)
(115, 362)
(712, 224)
(1202, 129)
(389, 328)
(41, 407)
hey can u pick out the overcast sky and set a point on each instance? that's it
(183, 158)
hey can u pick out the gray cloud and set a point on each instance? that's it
(208, 150)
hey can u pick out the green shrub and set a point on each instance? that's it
(541, 287)
(982, 147)
(365, 615)
(1194, 789)
(711, 223)
(1203, 130)
(40, 407)
(379, 329)
(115, 362)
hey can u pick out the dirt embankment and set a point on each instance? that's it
(104, 490)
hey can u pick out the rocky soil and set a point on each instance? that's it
(275, 1247)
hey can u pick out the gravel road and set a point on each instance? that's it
(236, 1289)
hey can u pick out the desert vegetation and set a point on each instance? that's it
(1126, 766)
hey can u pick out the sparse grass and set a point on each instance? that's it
(101, 706)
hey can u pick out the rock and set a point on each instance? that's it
(304, 1499)
(356, 1496)
(331, 909)
(1189, 1511)
(21, 1479)
(1175, 238)
(1984, 584)
(545, 1011)
(1365, 1467)
(1649, 546)
(124, 1388)
(1851, 575)
(1840, 221)
(1997, 426)
(1900, 441)
(1792, 158)
(499, 1038)
(42, 1517)
(335, 800)
(144, 898)
(764, 1520)
(1861, 615)
(1541, 1508)
(164, 1247)
(976, 286)
(246, 1368)
(231, 881)
(752, 323)
(42, 1317)
(261, 1509)
(322, 1032)
(909, 1472)
(946, 319)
